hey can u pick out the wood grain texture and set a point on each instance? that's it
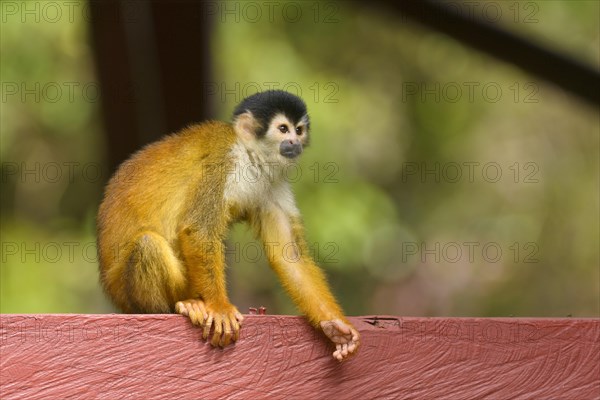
(161, 356)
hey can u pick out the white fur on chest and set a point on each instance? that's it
(254, 183)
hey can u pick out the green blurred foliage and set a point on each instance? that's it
(400, 191)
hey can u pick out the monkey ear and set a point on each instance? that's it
(245, 125)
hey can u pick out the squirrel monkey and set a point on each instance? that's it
(167, 210)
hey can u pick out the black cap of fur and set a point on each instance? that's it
(265, 105)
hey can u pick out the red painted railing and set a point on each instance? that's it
(162, 356)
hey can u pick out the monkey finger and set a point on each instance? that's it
(235, 327)
(352, 346)
(239, 317)
(218, 324)
(338, 353)
(202, 309)
(207, 326)
(226, 338)
(191, 312)
(345, 349)
(194, 319)
(188, 311)
(181, 309)
(199, 315)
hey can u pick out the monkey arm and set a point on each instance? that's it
(289, 256)
(287, 251)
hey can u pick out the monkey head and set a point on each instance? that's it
(275, 123)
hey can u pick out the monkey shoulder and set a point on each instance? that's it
(165, 175)
(177, 155)
(217, 136)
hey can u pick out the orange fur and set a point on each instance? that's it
(289, 256)
(164, 217)
(169, 191)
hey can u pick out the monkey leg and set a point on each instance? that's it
(208, 305)
(154, 276)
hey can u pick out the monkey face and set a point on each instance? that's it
(274, 124)
(289, 137)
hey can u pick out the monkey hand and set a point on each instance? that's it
(223, 318)
(344, 336)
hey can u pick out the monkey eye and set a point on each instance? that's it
(283, 128)
(299, 130)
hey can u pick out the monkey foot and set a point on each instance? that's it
(344, 336)
(224, 319)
